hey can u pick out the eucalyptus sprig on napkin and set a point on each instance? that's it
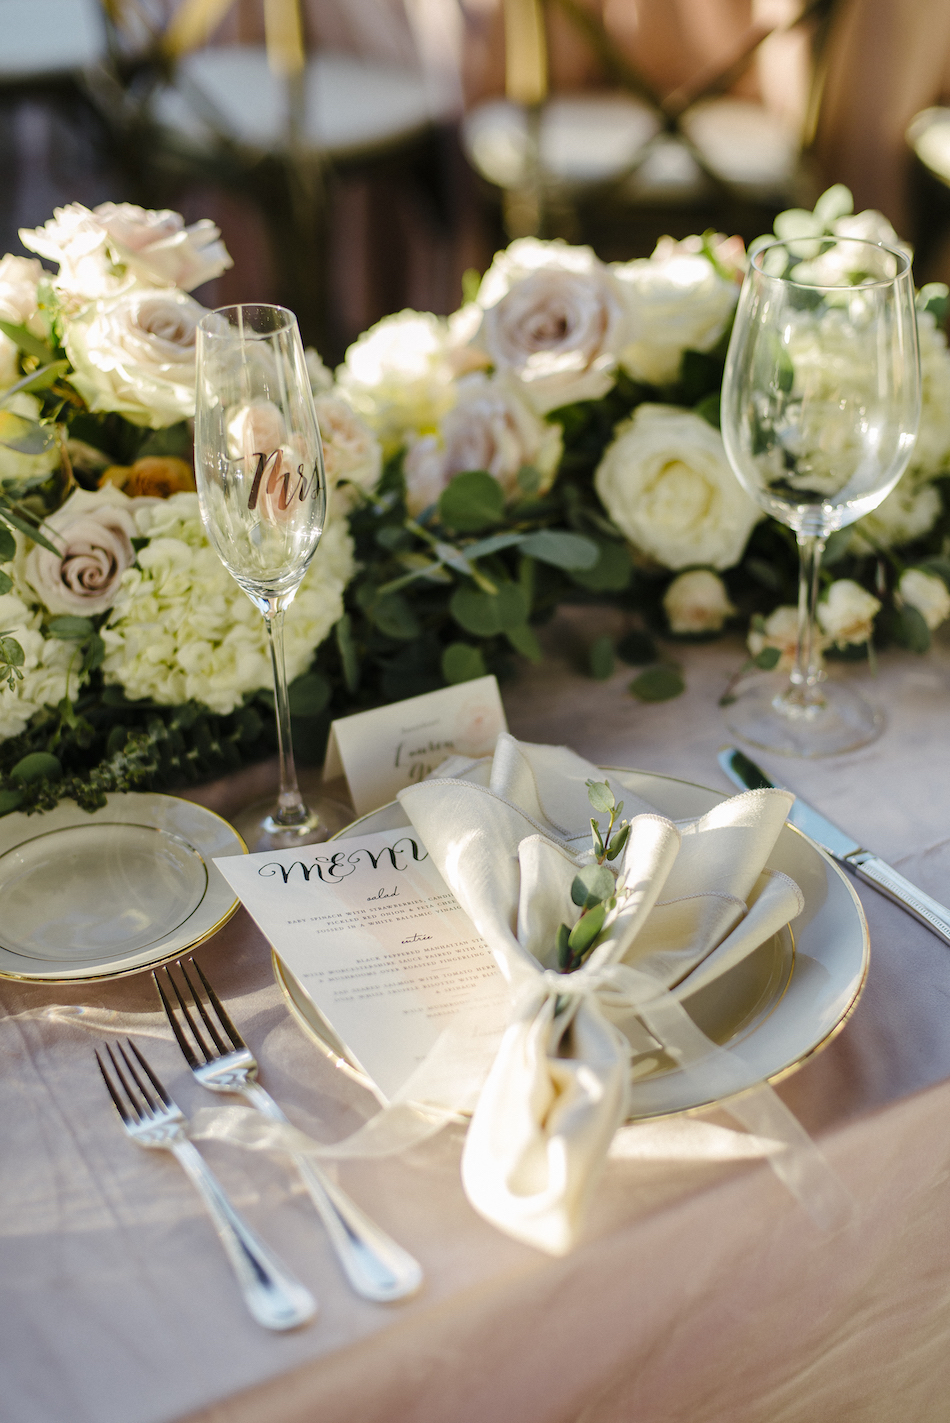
(596, 889)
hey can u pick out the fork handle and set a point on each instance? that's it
(376, 1267)
(274, 1297)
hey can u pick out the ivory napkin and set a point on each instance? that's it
(697, 899)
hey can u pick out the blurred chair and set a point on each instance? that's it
(641, 144)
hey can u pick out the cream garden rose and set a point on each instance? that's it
(181, 629)
(351, 452)
(697, 602)
(927, 593)
(666, 483)
(400, 377)
(491, 428)
(117, 246)
(94, 533)
(136, 355)
(555, 319)
(847, 611)
(19, 277)
(780, 630)
(677, 302)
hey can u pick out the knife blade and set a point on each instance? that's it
(744, 773)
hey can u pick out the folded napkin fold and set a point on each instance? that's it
(694, 897)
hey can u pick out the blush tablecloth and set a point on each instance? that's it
(700, 1293)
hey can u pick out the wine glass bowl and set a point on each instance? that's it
(263, 497)
(820, 407)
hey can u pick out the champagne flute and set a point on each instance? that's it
(263, 495)
(820, 407)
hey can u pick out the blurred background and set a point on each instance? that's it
(360, 156)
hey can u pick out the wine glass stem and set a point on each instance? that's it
(805, 690)
(290, 807)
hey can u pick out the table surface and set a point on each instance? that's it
(700, 1292)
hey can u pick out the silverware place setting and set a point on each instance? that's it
(376, 1267)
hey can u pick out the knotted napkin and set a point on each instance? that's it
(509, 838)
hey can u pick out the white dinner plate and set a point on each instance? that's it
(112, 892)
(773, 1011)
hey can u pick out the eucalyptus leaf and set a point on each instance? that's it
(471, 502)
(11, 653)
(601, 796)
(562, 944)
(493, 544)
(601, 658)
(767, 659)
(28, 437)
(658, 684)
(611, 572)
(7, 545)
(40, 379)
(487, 614)
(349, 657)
(911, 629)
(28, 343)
(6, 583)
(461, 662)
(586, 929)
(36, 766)
(394, 616)
(10, 800)
(709, 409)
(935, 298)
(618, 842)
(524, 640)
(69, 628)
(592, 885)
(562, 549)
(32, 531)
(309, 694)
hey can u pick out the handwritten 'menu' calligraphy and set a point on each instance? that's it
(331, 869)
(274, 475)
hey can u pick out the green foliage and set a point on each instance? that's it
(461, 662)
(472, 502)
(601, 657)
(658, 684)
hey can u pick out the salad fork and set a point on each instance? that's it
(376, 1267)
(150, 1117)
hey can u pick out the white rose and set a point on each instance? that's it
(928, 594)
(909, 511)
(490, 428)
(399, 376)
(351, 452)
(94, 533)
(321, 376)
(780, 630)
(678, 302)
(870, 226)
(117, 246)
(136, 355)
(931, 452)
(555, 318)
(846, 613)
(19, 277)
(14, 464)
(697, 601)
(666, 483)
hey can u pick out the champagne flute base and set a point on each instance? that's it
(259, 828)
(763, 715)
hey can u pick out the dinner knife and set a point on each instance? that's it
(744, 773)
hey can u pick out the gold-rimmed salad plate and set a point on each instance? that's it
(113, 892)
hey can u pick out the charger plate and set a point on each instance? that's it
(773, 1011)
(109, 893)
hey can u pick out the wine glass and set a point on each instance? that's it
(820, 407)
(263, 495)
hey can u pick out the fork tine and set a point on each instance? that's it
(236, 1040)
(176, 1028)
(113, 1093)
(149, 1103)
(151, 1075)
(133, 1101)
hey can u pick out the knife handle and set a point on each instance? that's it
(895, 886)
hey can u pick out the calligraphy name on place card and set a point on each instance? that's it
(370, 930)
(382, 751)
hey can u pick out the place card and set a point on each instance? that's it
(370, 930)
(383, 750)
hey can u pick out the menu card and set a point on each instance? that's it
(371, 931)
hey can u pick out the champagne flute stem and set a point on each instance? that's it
(805, 690)
(290, 807)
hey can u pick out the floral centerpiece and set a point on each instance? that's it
(554, 440)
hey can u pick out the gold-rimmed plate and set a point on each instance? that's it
(773, 1011)
(109, 893)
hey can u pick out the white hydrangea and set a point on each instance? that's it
(181, 628)
(932, 449)
(46, 663)
(400, 376)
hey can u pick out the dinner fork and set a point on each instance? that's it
(275, 1299)
(376, 1267)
